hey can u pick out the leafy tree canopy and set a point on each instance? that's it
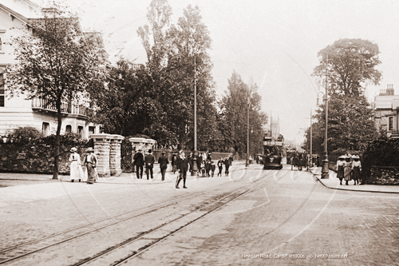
(349, 65)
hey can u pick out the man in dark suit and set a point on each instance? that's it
(227, 165)
(182, 166)
(149, 164)
(139, 162)
(163, 164)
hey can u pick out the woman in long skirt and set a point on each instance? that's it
(75, 169)
(356, 167)
(347, 170)
(91, 163)
(340, 168)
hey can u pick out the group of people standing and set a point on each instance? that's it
(88, 172)
(139, 160)
(349, 168)
(181, 164)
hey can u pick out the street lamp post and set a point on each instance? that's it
(195, 168)
(325, 169)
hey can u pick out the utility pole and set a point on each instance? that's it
(325, 170)
(247, 162)
(311, 136)
(195, 168)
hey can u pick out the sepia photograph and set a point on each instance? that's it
(199, 132)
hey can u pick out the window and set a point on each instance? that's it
(46, 129)
(390, 123)
(80, 131)
(2, 94)
(68, 129)
(91, 130)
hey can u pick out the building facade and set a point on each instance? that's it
(18, 111)
(386, 108)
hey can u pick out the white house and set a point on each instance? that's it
(17, 111)
(386, 110)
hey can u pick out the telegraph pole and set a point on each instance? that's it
(195, 168)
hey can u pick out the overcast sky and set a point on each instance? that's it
(273, 43)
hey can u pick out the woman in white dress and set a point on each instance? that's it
(76, 169)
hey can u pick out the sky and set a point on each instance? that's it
(272, 43)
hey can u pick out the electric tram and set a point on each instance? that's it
(272, 152)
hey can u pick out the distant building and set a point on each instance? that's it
(17, 111)
(273, 128)
(386, 108)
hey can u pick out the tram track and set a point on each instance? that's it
(16, 252)
(133, 246)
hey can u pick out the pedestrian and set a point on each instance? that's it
(139, 162)
(213, 168)
(230, 159)
(220, 166)
(149, 164)
(199, 161)
(182, 166)
(163, 164)
(356, 168)
(227, 165)
(90, 162)
(190, 162)
(76, 172)
(174, 163)
(347, 169)
(340, 168)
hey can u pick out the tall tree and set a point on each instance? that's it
(177, 58)
(191, 41)
(57, 63)
(347, 67)
(237, 101)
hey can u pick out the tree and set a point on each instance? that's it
(350, 65)
(177, 56)
(234, 106)
(347, 66)
(58, 63)
(350, 123)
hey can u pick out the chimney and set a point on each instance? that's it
(390, 90)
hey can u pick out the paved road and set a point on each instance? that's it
(252, 217)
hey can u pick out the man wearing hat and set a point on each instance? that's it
(163, 164)
(149, 164)
(182, 166)
(91, 163)
(139, 162)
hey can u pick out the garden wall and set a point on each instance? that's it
(35, 157)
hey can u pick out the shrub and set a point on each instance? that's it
(24, 134)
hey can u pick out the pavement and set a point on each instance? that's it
(333, 183)
(18, 179)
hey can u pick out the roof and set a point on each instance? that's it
(14, 14)
(386, 101)
(32, 4)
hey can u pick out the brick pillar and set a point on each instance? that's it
(115, 155)
(101, 149)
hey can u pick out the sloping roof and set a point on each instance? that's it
(14, 14)
(32, 4)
